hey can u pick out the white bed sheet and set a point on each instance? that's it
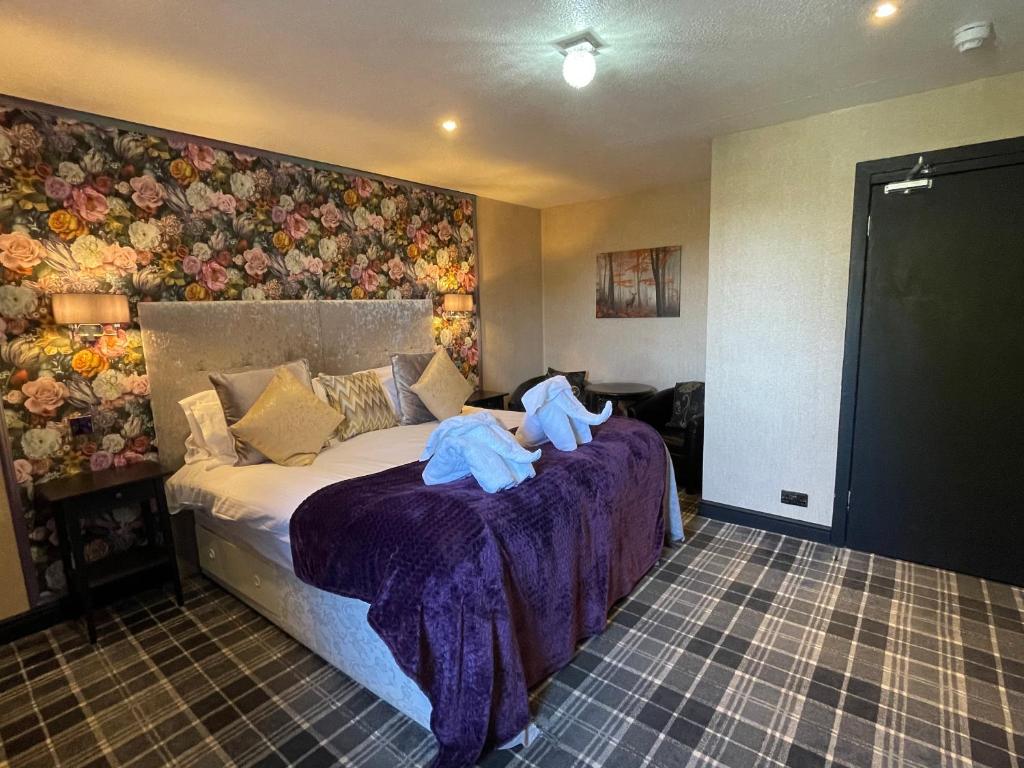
(261, 498)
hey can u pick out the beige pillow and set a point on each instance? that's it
(442, 388)
(361, 399)
(288, 423)
(239, 390)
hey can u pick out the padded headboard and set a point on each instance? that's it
(184, 341)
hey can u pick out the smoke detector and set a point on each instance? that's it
(971, 36)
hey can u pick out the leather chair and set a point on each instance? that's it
(685, 445)
(515, 401)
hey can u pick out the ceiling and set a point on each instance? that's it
(365, 84)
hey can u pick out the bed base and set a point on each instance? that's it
(333, 627)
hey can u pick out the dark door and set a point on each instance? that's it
(937, 472)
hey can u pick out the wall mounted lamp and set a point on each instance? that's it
(91, 315)
(457, 304)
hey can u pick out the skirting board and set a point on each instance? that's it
(774, 523)
(48, 614)
(31, 621)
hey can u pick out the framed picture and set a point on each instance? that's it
(640, 283)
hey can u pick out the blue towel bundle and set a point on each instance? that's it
(476, 444)
(554, 413)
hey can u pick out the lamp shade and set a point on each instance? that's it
(90, 308)
(458, 302)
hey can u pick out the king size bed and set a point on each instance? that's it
(445, 601)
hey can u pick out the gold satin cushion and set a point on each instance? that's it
(238, 391)
(442, 388)
(288, 423)
(361, 399)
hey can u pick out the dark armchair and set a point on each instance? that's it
(577, 379)
(685, 444)
(515, 401)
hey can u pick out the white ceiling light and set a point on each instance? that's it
(449, 125)
(885, 10)
(580, 64)
(579, 67)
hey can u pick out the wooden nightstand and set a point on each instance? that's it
(484, 399)
(80, 496)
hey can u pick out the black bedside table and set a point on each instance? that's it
(87, 494)
(484, 399)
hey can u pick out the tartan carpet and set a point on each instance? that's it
(742, 648)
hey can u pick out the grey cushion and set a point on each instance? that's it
(239, 390)
(407, 370)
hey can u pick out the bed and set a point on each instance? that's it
(242, 514)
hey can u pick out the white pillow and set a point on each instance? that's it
(195, 445)
(219, 441)
(210, 437)
(384, 374)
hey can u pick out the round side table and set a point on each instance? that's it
(619, 394)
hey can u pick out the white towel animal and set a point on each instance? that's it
(476, 444)
(553, 413)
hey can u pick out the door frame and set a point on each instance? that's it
(940, 162)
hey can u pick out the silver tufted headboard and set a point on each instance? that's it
(185, 341)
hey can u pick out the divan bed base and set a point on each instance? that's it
(332, 626)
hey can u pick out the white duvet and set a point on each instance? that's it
(262, 498)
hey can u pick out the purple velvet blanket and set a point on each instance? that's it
(480, 596)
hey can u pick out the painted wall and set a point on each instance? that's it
(781, 212)
(511, 339)
(658, 351)
(13, 597)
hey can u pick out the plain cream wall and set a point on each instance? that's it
(511, 341)
(781, 214)
(13, 597)
(658, 351)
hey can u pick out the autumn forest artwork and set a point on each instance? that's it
(640, 283)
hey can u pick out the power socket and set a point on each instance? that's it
(80, 426)
(795, 498)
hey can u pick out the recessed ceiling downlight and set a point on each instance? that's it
(885, 10)
(449, 125)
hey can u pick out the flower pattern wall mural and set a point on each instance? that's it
(88, 208)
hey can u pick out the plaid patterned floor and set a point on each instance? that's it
(743, 648)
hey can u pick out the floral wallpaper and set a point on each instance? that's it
(87, 208)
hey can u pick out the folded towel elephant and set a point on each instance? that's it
(553, 413)
(476, 444)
